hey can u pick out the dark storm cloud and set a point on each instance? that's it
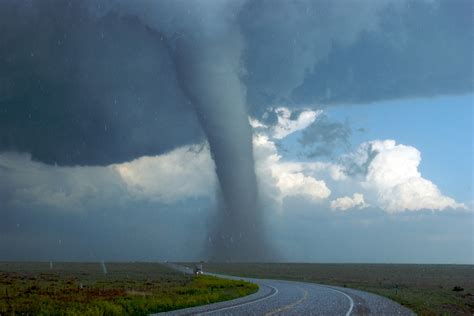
(425, 49)
(99, 82)
(125, 83)
(92, 88)
(324, 136)
(79, 90)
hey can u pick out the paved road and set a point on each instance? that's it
(277, 297)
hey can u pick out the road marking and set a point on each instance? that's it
(283, 308)
(351, 307)
(243, 304)
(350, 299)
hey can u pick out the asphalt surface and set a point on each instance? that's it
(277, 297)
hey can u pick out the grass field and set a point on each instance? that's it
(125, 288)
(426, 289)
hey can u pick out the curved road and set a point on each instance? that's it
(277, 297)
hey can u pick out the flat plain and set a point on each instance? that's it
(426, 289)
(44, 288)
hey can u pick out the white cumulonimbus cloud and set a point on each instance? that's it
(188, 172)
(391, 172)
(346, 202)
(385, 175)
(185, 172)
(280, 179)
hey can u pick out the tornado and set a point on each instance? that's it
(205, 43)
(207, 67)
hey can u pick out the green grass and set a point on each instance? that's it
(426, 289)
(127, 289)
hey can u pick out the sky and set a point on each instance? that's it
(443, 135)
(237, 131)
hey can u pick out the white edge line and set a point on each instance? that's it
(350, 299)
(351, 307)
(243, 304)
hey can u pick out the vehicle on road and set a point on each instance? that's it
(198, 269)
